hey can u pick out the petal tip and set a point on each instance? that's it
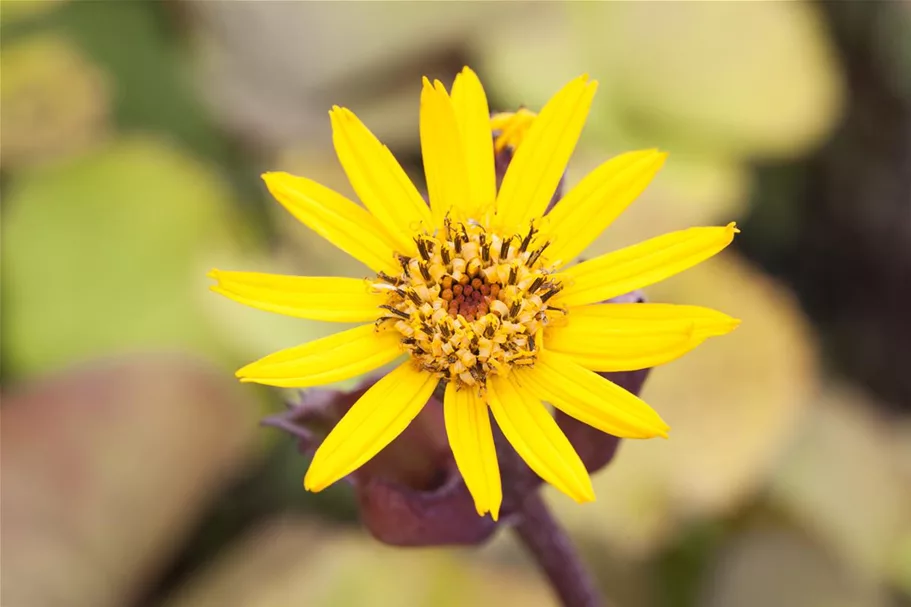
(310, 484)
(657, 160)
(272, 177)
(660, 428)
(587, 493)
(440, 89)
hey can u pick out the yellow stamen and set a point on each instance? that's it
(471, 303)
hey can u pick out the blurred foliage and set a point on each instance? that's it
(774, 565)
(715, 84)
(133, 44)
(11, 12)
(133, 134)
(836, 225)
(54, 101)
(287, 559)
(861, 513)
(105, 467)
(727, 428)
(688, 77)
(151, 212)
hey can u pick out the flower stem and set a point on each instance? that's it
(546, 540)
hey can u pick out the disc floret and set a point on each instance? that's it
(472, 302)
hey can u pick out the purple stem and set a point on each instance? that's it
(543, 537)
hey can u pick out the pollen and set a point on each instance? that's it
(472, 303)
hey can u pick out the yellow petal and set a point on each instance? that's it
(642, 318)
(620, 353)
(596, 201)
(470, 104)
(590, 398)
(340, 356)
(640, 265)
(536, 437)
(626, 337)
(445, 165)
(332, 299)
(335, 218)
(379, 180)
(471, 439)
(540, 161)
(379, 416)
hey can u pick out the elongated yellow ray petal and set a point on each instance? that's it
(471, 439)
(317, 298)
(649, 318)
(623, 353)
(340, 356)
(335, 218)
(623, 337)
(536, 437)
(640, 265)
(538, 164)
(473, 116)
(445, 163)
(596, 201)
(590, 398)
(379, 416)
(379, 180)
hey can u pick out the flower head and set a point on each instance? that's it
(475, 291)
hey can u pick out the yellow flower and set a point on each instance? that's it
(475, 290)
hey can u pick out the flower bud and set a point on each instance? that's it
(411, 492)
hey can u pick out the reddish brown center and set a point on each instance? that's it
(468, 296)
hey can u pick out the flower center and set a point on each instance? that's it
(472, 303)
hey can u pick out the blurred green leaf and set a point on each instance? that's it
(21, 10)
(139, 46)
(104, 254)
(714, 78)
(55, 101)
(737, 78)
(135, 43)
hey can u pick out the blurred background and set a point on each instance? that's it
(133, 135)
